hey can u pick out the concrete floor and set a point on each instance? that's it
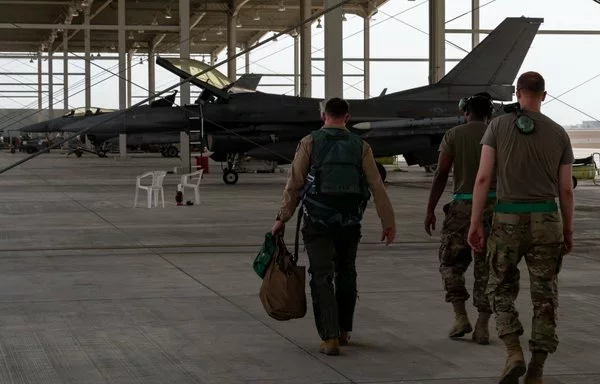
(93, 291)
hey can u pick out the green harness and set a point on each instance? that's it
(526, 207)
(469, 196)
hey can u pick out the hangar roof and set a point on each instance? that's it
(34, 25)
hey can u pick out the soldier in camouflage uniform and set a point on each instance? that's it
(460, 148)
(533, 158)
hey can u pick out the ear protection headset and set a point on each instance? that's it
(523, 123)
(464, 102)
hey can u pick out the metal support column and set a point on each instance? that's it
(184, 49)
(475, 23)
(151, 73)
(65, 71)
(129, 95)
(334, 51)
(122, 74)
(50, 85)
(437, 48)
(39, 76)
(231, 42)
(367, 55)
(88, 78)
(296, 66)
(305, 50)
(247, 57)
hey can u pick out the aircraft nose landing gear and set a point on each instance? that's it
(230, 176)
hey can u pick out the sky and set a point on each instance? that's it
(398, 30)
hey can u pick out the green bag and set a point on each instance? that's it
(265, 255)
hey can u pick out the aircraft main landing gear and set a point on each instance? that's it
(230, 175)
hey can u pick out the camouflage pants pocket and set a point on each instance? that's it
(454, 261)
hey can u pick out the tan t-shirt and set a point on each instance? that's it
(463, 143)
(527, 165)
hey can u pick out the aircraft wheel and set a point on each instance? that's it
(172, 152)
(230, 176)
(574, 182)
(102, 153)
(382, 171)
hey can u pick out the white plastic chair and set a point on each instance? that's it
(187, 182)
(153, 190)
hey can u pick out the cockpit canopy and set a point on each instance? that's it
(212, 81)
(79, 112)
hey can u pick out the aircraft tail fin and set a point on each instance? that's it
(498, 58)
(248, 81)
(491, 66)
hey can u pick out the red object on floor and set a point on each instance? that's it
(202, 161)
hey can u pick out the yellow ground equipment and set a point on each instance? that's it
(586, 169)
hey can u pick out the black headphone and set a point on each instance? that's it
(523, 123)
(464, 102)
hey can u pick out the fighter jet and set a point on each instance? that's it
(239, 123)
(56, 124)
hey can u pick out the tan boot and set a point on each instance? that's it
(535, 369)
(461, 324)
(330, 347)
(482, 334)
(515, 362)
(344, 338)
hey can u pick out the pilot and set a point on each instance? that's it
(532, 157)
(332, 173)
(460, 148)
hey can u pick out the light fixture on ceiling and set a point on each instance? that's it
(294, 32)
(282, 7)
(274, 36)
(257, 16)
(319, 23)
(112, 46)
(344, 17)
(131, 37)
(203, 38)
(219, 32)
(84, 3)
(238, 23)
(141, 61)
(98, 55)
(31, 60)
(168, 13)
(154, 21)
(73, 12)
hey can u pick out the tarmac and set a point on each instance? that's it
(95, 291)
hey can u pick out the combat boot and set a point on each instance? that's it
(461, 321)
(535, 369)
(344, 338)
(515, 362)
(330, 347)
(482, 334)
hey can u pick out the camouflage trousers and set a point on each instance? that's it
(455, 255)
(539, 238)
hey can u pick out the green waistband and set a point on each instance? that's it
(524, 207)
(469, 196)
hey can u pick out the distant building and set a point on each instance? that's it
(590, 124)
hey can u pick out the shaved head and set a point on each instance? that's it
(531, 82)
